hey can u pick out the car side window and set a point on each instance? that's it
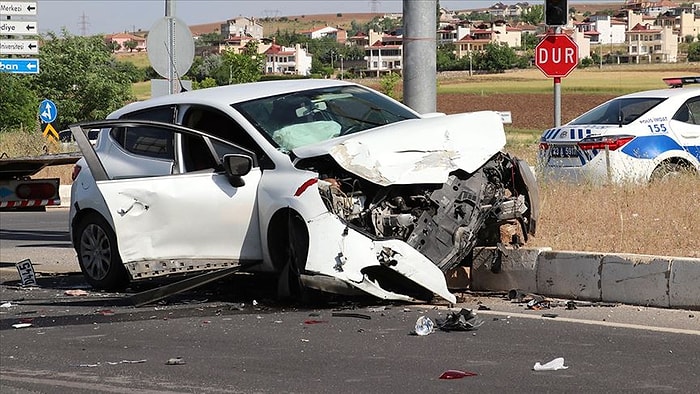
(689, 112)
(147, 141)
(220, 125)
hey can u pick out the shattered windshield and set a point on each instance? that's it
(303, 118)
(621, 111)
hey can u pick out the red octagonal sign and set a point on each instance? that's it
(556, 55)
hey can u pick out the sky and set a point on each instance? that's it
(112, 16)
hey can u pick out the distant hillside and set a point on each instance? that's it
(295, 23)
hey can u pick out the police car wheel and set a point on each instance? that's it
(98, 256)
(668, 170)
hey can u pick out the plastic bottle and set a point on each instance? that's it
(424, 326)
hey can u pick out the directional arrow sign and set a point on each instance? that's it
(47, 111)
(17, 7)
(12, 28)
(19, 47)
(19, 66)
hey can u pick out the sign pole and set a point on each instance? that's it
(557, 101)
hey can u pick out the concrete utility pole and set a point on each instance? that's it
(170, 14)
(419, 52)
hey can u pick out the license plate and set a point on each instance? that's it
(563, 151)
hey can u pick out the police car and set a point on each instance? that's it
(638, 137)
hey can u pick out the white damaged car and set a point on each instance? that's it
(329, 184)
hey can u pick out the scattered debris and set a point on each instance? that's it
(22, 325)
(456, 374)
(464, 320)
(105, 312)
(126, 362)
(424, 326)
(175, 361)
(483, 307)
(314, 321)
(6, 305)
(348, 314)
(550, 315)
(76, 293)
(554, 365)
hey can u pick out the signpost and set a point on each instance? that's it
(17, 20)
(47, 114)
(19, 66)
(556, 56)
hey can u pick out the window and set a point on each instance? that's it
(147, 141)
(619, 111)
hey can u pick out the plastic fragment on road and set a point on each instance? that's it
(350, 314)
(464, 320)
(424, 326)
(313, 321)
(6, 305)
(22, 325)
(554, 365)
(175, 361)
(456, 374)
(75, 293)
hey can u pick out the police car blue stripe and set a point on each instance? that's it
(648, 147)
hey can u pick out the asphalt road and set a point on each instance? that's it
(232, 337)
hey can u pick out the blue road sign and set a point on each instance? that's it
(19, 66)
(47, 111)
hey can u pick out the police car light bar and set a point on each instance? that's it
(678, 82)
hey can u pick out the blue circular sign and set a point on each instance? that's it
(47, 111)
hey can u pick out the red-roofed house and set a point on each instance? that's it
(652, 44)
(123, 38)
(284, 60)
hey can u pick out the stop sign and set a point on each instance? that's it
(556, 55)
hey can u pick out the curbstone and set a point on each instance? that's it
(684, 283)
(572, 275)
(517, 269)
(636, 279)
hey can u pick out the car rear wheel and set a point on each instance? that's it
(669, 170)
(98, 255)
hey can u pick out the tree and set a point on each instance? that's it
(243, 67)
(388, 83)
(496, 58)
(19, 104)
(694, 52)
(131, 45)
(534, 16)
(80, 75)
(113, 46)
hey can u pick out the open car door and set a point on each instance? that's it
(171, 218)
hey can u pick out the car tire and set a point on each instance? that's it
(98, 256)
(288, 243)
(669, 170)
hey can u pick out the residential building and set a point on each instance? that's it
(338, 34)
(123, 38)
(385, 54)
(285, 60)
(651, 44)
(242, 26)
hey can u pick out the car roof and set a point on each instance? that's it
(230, 94)
(666, 93)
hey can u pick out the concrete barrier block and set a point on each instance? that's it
(517, 269)
(684, 283)
(572, 275)
(636, 279)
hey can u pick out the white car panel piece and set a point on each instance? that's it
(351, 252)
(161, 218)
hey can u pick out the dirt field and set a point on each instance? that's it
(529, 111)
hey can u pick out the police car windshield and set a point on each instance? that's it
(621, 111)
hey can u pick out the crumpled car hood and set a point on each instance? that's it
(417, 150)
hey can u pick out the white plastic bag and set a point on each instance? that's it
(554, 365)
